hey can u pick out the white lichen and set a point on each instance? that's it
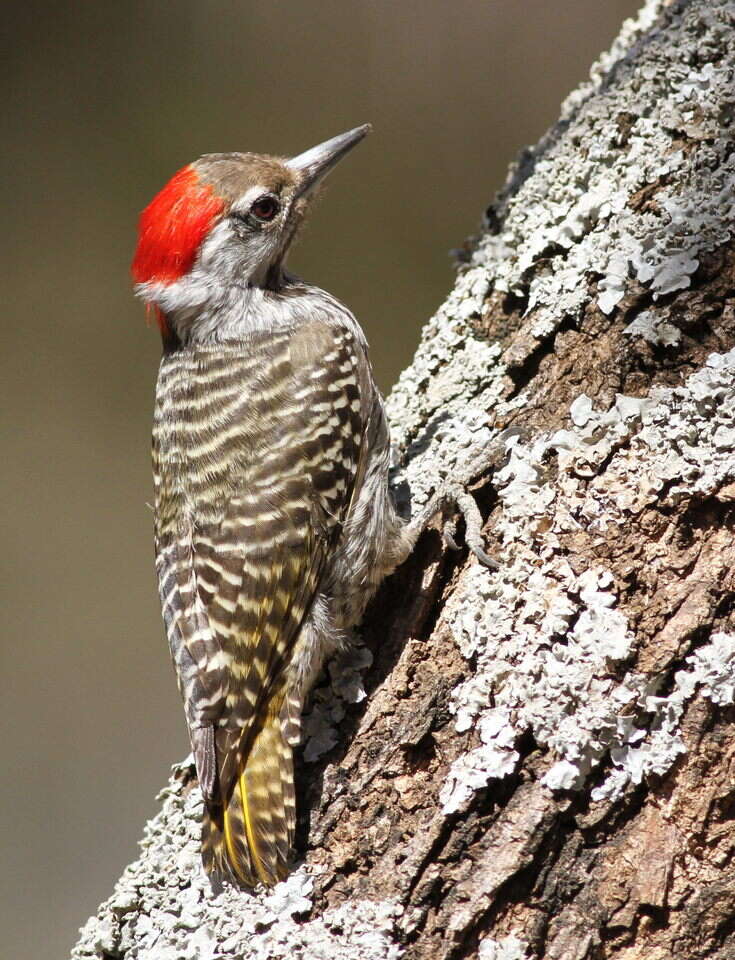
(653, 328)
(684, 445)
(575, 218)
(711, 672)
(543, 638)
(507, 948)
(326, 708)
(495, 758)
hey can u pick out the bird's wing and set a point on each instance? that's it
(268, 473)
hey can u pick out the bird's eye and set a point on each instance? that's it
(265, 208)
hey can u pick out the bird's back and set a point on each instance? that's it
(257, 452)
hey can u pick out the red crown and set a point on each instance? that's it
(172, 228)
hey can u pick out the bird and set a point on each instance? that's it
(274, 522)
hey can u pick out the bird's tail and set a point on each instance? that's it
(248, 837)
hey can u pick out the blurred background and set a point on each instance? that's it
(102, 102)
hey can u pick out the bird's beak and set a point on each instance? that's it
(313, 165)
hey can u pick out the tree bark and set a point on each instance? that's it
(543, 763)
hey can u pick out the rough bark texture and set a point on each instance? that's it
(544, 763)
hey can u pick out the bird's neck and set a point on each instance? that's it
(240, 309)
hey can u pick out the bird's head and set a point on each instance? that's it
(226, 221)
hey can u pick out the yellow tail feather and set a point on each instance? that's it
(249, 839)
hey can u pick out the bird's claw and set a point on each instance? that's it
(449, 533)
(455, 495)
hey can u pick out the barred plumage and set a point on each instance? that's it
(258, 449)
(273, 521)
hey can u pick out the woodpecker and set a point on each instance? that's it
(273, 519)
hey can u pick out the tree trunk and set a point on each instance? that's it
(544, 763)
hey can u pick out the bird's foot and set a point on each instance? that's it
(453, 497)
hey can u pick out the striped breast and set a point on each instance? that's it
(256, 451)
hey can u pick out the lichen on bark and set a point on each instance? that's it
(542, 765)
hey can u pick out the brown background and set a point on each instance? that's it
(103, 101)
